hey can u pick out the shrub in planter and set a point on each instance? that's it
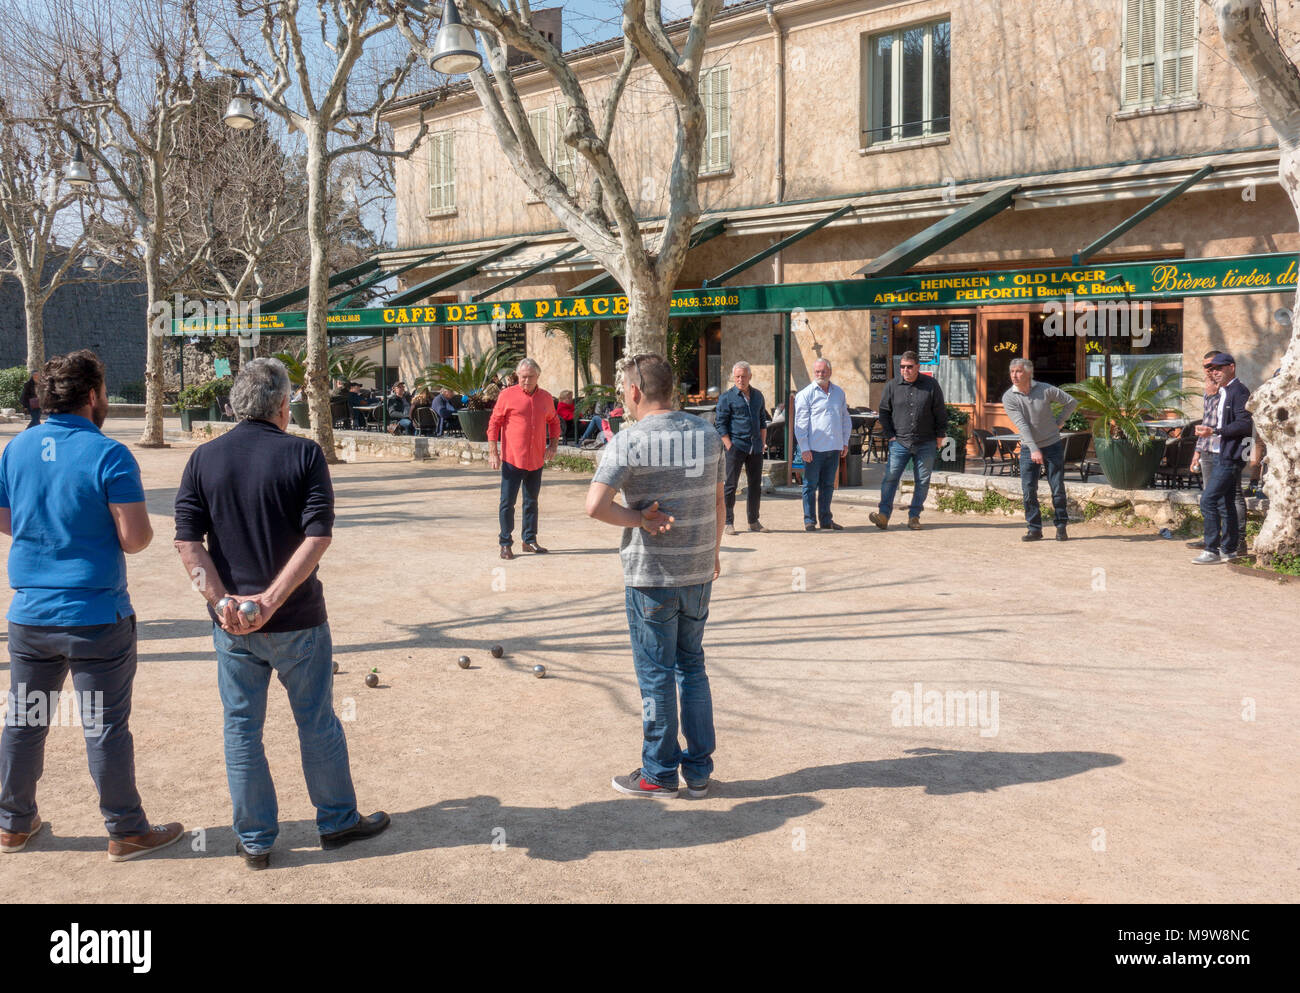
(957, 421)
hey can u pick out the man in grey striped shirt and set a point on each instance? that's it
(670, 469)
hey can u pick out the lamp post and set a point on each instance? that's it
(240, 114)
(454, 50)
(77, 172)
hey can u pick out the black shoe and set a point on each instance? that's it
(810, 527)
(1061, 534)
(1032, 536)
(832, 526)
(1197, 544)
(262, 860)
(367, 827)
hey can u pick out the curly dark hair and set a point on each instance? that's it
(69, 382)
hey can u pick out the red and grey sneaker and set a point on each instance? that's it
(634, 785)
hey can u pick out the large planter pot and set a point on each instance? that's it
(192, 415)
(958, 461)
(1126, 466)
(474, 423)
(300, 411)
(214, 410)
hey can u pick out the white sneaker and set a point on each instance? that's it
(1208, 558)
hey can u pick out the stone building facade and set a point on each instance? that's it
(907, 111)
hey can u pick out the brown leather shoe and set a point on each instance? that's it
(758, 527)
(506, 553)
(159, 836)
(914, 523)
(532, 546)
(16, 841)
(729, 529)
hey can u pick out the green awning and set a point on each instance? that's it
(346, 276)
(347, 295)
(462, 272)
(1132, 222)
(754, 260)
(902, 257)
(530, 271)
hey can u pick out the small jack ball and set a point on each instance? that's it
(497, 651)
(539, 671)
(372, 680)
(463, 661)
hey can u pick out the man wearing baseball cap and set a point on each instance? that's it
(1229, 441)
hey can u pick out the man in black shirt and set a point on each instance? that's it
(913, 418)
(263, 500)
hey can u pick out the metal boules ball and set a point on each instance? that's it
(372, 679)
(463, 661)
(539, 671)
(222, 604)
(497, 651)
(250, 609)
(336, 668)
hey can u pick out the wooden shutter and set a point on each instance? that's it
(442, 171)
(1140, 51)
(1178, 50)
(715, 94)
(565, 155)
(540, 122)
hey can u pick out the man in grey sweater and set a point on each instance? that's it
(1029, 406)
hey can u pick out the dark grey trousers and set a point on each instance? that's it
(102, 659)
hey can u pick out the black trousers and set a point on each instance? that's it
(752, 463)
(512, 477)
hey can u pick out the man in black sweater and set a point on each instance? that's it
(913, 418)
(263, 501)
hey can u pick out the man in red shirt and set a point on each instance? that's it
(521, 421)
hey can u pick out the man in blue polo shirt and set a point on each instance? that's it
(73, 502)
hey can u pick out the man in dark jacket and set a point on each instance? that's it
(912, 420)
(29, 400)
(1229, 441)
(262, 501)
(741, 419)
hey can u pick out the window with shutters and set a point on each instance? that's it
(1159, 52)
(565, 167)
(907, 83)
(547, 125)
(442, 172)
(715, 95)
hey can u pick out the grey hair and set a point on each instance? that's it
(531, 363)
(1022, 364)
(828, 364)
(742, 365)
(260, 390)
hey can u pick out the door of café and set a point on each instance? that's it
(1014, 333)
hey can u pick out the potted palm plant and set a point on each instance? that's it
(295, 363)
(193, 405)
(1128, 453)
(476, 380)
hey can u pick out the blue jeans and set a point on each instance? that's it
(819, 482)
(102, 659)
(1030, 471)
(593, 430)
(304, 662)
(512, 477)
(1219, 506)
(667, 628)
(922, 456)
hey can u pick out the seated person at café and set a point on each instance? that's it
(445, 405)
(564, 409)
(355, 401)
(399, 411)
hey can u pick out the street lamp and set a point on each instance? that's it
(240, 115)
(454, 50)
(77, 172)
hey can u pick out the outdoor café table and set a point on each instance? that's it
(369, 410)
(867, 422)
(1166, 426)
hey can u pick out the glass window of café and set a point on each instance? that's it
(952, 339)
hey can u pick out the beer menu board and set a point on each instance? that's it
(927, 343)
(880, 368)
(513, 338)
(959, 339)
